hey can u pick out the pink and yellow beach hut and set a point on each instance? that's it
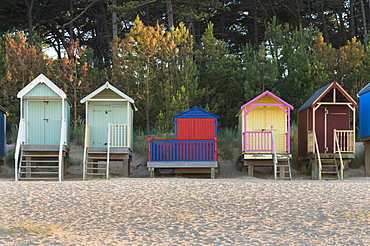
(265, 128)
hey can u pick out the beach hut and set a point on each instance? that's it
(364, 101)
(109, 131)
(194, 149)
(43, 134)
(3, 115)
(326, 132)
(264, 123)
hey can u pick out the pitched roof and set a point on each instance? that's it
(41, 79)
(196, 113)
(320, 93)
(364, 90)
(268, 94)
(104, 87)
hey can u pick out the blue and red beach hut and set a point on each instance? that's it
(194, 148)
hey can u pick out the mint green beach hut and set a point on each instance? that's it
(109, 131)
(43, 134)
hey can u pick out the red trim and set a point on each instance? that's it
(148, 148)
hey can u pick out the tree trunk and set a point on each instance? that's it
(351, 19)
(71, 19)
(114, 20)
(29, 17)
(364, 22)
(255, 29)
(169, 14)
(320, 12)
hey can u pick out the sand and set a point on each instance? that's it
(181, 211)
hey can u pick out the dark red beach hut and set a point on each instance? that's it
(326, 131)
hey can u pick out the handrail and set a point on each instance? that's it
(274, 149)
(318, 153)
(61, 144)
(108, 150)
(340, 156)
(87, 145)
(21, 139)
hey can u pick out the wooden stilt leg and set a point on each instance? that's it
(213, 174)
(151, 171)
(250, 169)
(126, 166)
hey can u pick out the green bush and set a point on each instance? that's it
(78, 133)
(12, 134)
(294, 146)
(229, 143)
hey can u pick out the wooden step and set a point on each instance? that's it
(97, 168)
(40, 155)
(40, 161)
(96, 163)
(25, 172)
(38, 178)
(97, 157)
(51, 167)
(96, 174)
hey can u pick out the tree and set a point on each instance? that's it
(73, 74)
(23, 62)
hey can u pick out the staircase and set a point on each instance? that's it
(329, 169)
(283, 170)
(38, 164)
(97, 162)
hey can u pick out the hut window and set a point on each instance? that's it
(46, 102)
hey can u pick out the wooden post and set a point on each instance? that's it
(367, 157)
(126, 165)
(151, 171)
(250, 168)
(213, 173)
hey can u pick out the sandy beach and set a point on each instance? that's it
(180, 211)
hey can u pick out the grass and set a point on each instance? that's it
(141, 139)
(229, 143)
(30, 227)
(78, 133)
(12, 134)
(294, 146)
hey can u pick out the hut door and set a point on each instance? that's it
(44, 122)
(337, 119)
(102, 115)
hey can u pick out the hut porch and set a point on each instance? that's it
(42, 162)
(183, 155)
(99, 158)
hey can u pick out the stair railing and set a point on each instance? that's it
(336, 140)
(318, 153)
(87, 145)
(63, 140)
(108, 149)
(21, 139)
(274, 154)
